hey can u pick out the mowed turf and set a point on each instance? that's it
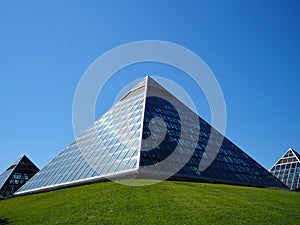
(167, 202)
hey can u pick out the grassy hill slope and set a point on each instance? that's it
(167, 202)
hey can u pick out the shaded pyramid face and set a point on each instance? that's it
(190, 136)
(287, 169)
(16, 175)
(149, 134)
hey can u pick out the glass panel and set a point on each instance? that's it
(103, 144)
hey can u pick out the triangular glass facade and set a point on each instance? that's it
(116, 146)
(110, 147)
(231, 164)
(16, 175)
(287, 169)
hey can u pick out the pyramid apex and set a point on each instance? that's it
(147, 77)
(151, 81)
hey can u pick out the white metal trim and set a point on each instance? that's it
(142, 122)
(73, 182)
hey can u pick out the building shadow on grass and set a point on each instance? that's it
(4, 221)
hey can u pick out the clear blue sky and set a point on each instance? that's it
(251, 46)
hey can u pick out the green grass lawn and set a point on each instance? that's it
(167, 202)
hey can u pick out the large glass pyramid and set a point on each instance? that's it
(287, 169)
(16, 175)
(142, 136)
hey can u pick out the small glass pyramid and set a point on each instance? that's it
(16, 175)
(287, 169)
(127, 142)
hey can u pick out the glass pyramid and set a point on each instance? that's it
(127, 142)
(287, 169)
(16, 175)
